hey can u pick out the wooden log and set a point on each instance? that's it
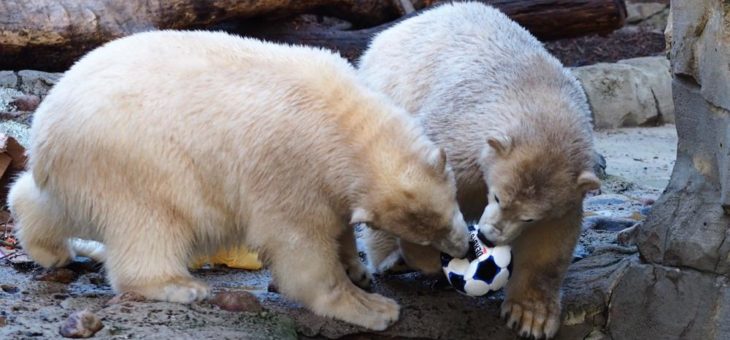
(546, 19)
(560, 19)
(52, 34)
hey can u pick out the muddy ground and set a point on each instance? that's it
(639, 164)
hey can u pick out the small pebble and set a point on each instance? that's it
(272, 288)
(125, 297)
(238, 301)
(27, 102)
(3, 321)
(9, 289)
(83, 324)
(627, 237)
(647, 201)
(61, 275)
(606, 223)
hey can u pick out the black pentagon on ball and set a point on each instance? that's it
(457, 281)
(487, 270)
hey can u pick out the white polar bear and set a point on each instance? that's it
(167, 146)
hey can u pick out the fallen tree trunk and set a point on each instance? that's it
(546, 19)
(559, 19)
(52, 34)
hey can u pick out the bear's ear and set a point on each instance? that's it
(360, 215)
(588, 181)
(437, 159)
(501, 144)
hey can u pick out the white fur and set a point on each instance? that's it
(165, 146)
(486, 90)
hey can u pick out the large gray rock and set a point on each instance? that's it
(682, 289)
(8, 79)
(650, 14)
(656, 75)
(37, 82)
(652, 302)
(628, 93)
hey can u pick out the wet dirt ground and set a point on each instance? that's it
(639, 164)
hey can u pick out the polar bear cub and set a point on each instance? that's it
(515, 125)
(170, 145)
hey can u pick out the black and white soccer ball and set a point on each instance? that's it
(486, 268)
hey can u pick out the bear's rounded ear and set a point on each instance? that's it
(437, 159)
(360, 215)
(501, 144)
(587, 181)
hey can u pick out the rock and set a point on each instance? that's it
(37, 82)
(83, 324)
(604, 223)
(681, 292)
(61, 275)
(8, 79)
(9, 289)
(26, 102)
(659, 80)
(631, 92)
(237, 301)
(3, 320)
(599, 165)
(701, 48)
(125, 297)
(627, 237)
(687, 226)
(639, 12)
(647, 201)
(652, 302)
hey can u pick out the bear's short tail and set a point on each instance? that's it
(91, 249)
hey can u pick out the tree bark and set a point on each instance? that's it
(51, 34)
(546, 19)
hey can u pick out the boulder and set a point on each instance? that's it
(680, 290)
(650, 14)
(37, 82)
(632, 92)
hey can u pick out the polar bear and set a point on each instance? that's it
(166, 146)
(516, 128)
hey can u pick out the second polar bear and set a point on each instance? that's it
(515, 125)
(166, 146)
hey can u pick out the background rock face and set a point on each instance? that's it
(682, 292)
(689, 227)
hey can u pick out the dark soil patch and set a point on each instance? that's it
(627, 43)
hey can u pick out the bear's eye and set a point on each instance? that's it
(496, 199)
(528, 220)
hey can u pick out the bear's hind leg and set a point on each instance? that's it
(152, 259)
(43, 228)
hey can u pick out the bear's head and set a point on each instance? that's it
(417, 203)
(530, 182)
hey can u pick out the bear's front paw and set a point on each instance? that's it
(532, 318)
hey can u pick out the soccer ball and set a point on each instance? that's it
(486, 268)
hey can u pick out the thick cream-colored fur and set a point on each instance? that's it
(170, 145)
(511, 119)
